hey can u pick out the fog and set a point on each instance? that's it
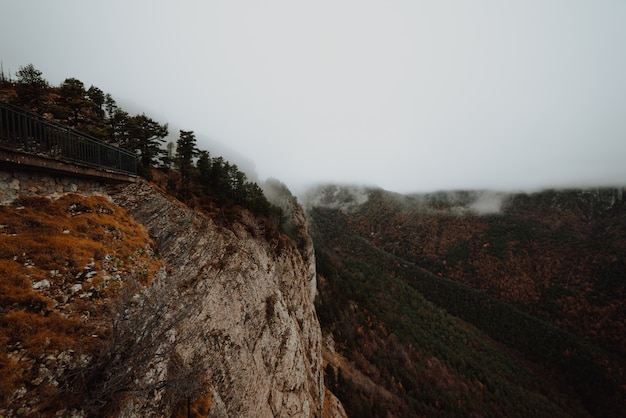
(411, 96)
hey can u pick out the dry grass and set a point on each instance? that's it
(196, 408)
(61, 241)
(39, 334)
(16, 289)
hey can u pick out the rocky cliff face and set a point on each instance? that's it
(243, 323)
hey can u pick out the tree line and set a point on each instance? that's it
(193, 175)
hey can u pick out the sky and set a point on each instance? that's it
(407, 95)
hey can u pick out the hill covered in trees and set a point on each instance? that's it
(474, 304)
(181, 168)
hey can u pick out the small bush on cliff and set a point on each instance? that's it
(140, 357)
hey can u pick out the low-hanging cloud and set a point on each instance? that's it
(437, 98)
(488, 203)
(342, 197)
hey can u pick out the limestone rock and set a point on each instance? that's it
(41, 285)
(251, 323)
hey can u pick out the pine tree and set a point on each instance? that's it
(116, 122)
(97, 98)
(72, 102)
(186, 151)
(145, 136)
(204, 168)
(30, 88)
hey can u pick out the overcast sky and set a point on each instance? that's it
(407, 95)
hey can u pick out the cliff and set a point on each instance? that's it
(250, 317)
(227, 327)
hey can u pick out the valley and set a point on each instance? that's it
(518, 308)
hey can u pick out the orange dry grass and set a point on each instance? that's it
(199, 407)
(16, 290)
(38, 333)
(49, 250)
(55, 240)
(68, 233)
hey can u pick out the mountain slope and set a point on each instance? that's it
(174, 311)
(372, 298)
(559, 255)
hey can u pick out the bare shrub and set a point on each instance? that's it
(140, 358)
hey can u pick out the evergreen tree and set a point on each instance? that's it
(97, 97)
(204, 165)
(118, 126)
(186, 151)
(218, 175)
(110, 105)
(30, 75)
(236, 183)
(145, 136)
(72, 102)
(116, 122)
(30, 88)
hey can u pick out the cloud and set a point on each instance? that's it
(460, 202)
(488, 202)
(411, 96)
(333, 196)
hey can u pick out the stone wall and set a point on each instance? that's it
(16, 183)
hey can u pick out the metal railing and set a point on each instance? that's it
(30, 133)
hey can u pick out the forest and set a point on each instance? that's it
(187, 172)
(431, 301)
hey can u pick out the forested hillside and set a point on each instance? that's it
(179, 166)
(474, 304)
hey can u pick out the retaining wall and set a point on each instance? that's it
(17, 183)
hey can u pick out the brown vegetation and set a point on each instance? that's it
(559, 255)
(194, 408)
(382, 258)
(61, 264)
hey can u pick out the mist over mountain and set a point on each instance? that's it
(473, 302)
(410, 96)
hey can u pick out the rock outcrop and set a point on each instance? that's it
(247, 326)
